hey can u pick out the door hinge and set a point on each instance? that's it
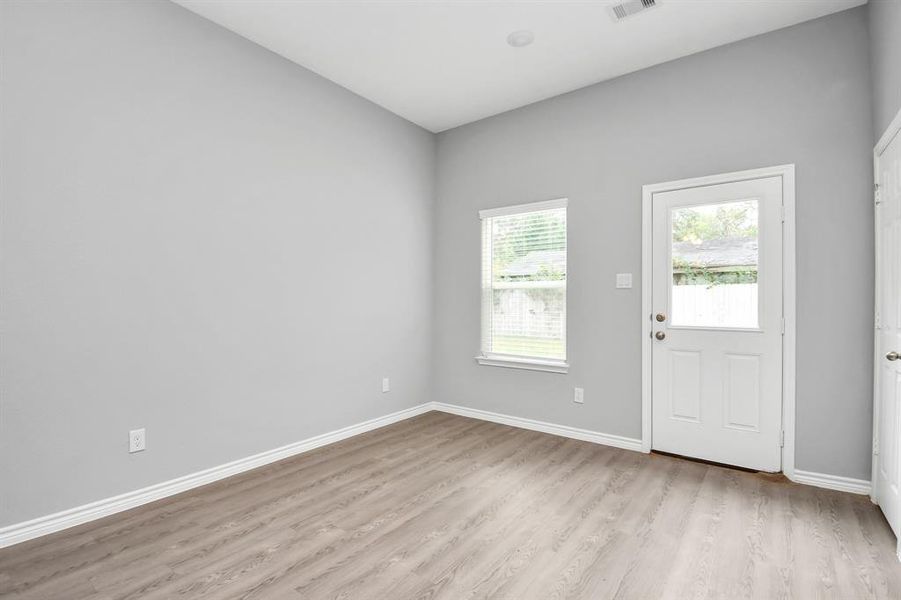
(876, 195)
(875, 446)
(783, 325)
(783, 213)
(782, 439)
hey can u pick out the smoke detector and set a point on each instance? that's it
(521, 38)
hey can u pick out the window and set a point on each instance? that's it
(714, 265)
(524, 286)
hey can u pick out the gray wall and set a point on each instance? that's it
(798, 95)
(885, 57)
(199, 238)
(203, 239)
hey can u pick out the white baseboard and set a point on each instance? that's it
(21, 532)
(831, 482)
(575, 433)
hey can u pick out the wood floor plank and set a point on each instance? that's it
(134, 526)
(445, 507)
(470, 541)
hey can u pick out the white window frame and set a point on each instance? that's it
(491, 359)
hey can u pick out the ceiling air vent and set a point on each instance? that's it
(631, 7)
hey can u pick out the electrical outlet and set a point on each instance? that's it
(386, 385)
(579, 396)
(137, 440)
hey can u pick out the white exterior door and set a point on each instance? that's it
(717, 324)
(887, 414)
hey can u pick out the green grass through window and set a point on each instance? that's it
(529, 346)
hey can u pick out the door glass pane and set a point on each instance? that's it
(714, 265)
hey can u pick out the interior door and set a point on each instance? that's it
(717, 323)
(888, 333)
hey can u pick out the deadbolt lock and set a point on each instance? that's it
(660, 317)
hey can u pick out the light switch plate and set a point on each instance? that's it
(623, 280)
(579, 395)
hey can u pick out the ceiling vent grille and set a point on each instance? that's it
(631, 7)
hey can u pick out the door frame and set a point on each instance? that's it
(888, 136)
(787, 173)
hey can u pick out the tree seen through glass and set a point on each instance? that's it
(715, 244)
(530, 247)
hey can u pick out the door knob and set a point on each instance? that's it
(660, 317)
(660, 335)
(893, 355)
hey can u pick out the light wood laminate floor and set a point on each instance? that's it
(442, 506)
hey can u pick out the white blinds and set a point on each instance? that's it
(524, 281)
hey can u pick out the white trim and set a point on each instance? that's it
(832, 482)
(27, 530)
(585, 435)
(789, 331)
(530, 364)
(523, 208)
(787, 173)
(21, 532)
(888, 135)
(877, 400)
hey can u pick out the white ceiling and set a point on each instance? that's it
(445, 63)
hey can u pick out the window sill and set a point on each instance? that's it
(530, 364)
